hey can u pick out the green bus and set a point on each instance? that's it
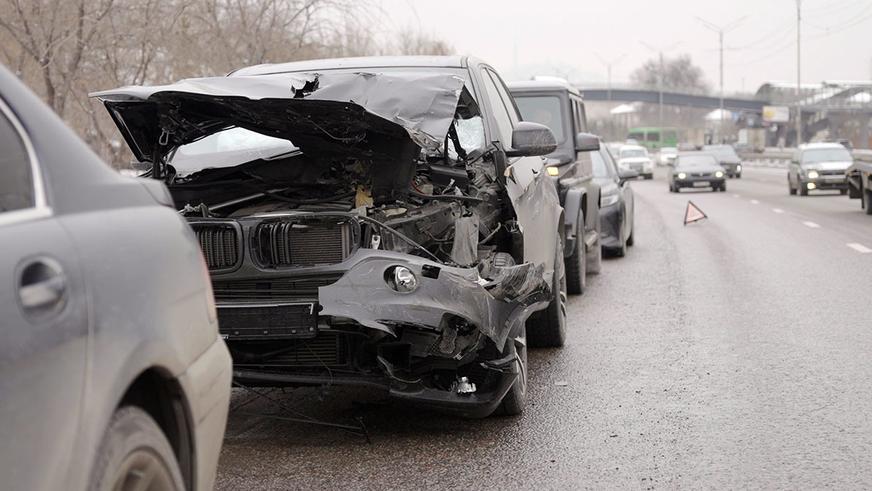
(654, 138)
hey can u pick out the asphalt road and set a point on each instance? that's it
(730, 353)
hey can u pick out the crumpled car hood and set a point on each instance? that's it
(333, 114)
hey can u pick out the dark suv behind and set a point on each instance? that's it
(559, 106)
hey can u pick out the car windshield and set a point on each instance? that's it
(721, 151)
(695, 161)
(826, 155)
(545, 110)
(629, 153)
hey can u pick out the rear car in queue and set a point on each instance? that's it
(616, 202)
(636, 158)
(696, 170)
(727, 158)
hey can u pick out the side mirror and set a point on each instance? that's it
(626, 175)
(531, 139)
(585, 142)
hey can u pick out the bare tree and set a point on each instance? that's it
(679, 74)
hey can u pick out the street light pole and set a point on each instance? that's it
(661, 76)
(798, 74)
(721, 30)
(609, 65)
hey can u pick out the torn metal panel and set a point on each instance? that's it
(363, 295)
(333, 109)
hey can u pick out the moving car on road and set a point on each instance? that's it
(667, 155)
(558, 105)
(727, 158)
(696, 170)
(112, 372)
(819, 166)
(383, 222)
(636, 159)
(617, 205)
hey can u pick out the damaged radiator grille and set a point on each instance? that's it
(303, 243)
(220, 243)
(285, 289)
(327, 349)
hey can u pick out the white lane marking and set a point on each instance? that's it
(859, 248)
(778, 210)
(737, 196)
(811, 225)
(755, 202)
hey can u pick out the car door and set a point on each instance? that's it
(44, 335)
(626, 191)
(533, 195)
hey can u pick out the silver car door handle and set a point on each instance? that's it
(42, 284)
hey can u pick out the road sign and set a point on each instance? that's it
(693, 214)
(776, 114)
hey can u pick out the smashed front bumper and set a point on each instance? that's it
(418, 346)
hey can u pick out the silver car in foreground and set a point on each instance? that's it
(112, 373)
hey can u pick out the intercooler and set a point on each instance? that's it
(298, 243)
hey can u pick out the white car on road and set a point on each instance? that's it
(636, 158)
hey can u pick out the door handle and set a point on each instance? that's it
(42, 284)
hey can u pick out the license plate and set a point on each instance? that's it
(701, 184)
(268, 321)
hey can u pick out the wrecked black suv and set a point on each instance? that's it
(383, 222)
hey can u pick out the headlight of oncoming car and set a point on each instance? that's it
(682, 175)
(401, 279)
(813, 174)
(609, 199)
(719, 174)
(739, 167)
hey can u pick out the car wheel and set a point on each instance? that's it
(790, 188)
(135, 454)
(547, 328)
(649, 176)
(867, 201)
(631, 237)
(723, 188)
(516, 398)
(739, 175)
(576, 264)
(621, 250)
(803, 191)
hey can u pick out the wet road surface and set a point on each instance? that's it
(734, 352)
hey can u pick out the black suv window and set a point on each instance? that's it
(502, 114)
(16, 180)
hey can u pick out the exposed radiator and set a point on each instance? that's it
(328, 349)
(303, 243)
(271, 289)
(220, 243)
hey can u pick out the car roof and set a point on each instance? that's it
(542, 85)
(813, 146)
(356, 62)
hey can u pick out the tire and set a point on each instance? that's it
(621, 250)
(576, 264)
(132, 447)
(516, 398)
(547, 328)
(723, 188)
(867, 201)
(790, 188)
(739, 175)
(631, 238)
(803, 191)
(648, 177)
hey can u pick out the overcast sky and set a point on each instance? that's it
(565, 37)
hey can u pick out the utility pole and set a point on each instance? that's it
(798, 74)
(609, 65)
(721, 30)
(661, 75)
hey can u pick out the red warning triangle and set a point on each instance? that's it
(693, 214)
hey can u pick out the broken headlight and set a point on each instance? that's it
(401, 279)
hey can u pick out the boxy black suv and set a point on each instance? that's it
(558, 105)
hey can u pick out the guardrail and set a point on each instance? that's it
(779, 157)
